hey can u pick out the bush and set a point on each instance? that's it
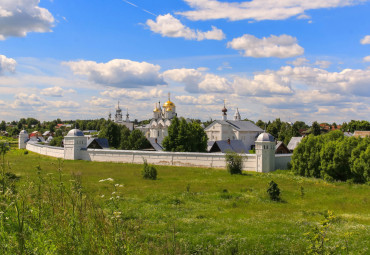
(149, 171)
(273, 191)
(234, 162)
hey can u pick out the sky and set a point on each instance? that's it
(288, 59)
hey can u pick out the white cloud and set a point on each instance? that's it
(133, 94)
(25, 100)
(120, 73)
(262, 85)
(169, 26)
(322, 63)
(19, 17)
(97, 101)
(366, 59)
(365, 40)
(283, 46)
(7, 64)
(299, 62)
(196, 80)
(64, 104)
(56, 91)
(258, 9)
(201, 100)
(214, 83)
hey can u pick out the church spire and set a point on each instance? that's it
(237, 115)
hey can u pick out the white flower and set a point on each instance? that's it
(102, 196)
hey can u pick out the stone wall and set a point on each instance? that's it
(281, 161)
(51, 151)
(215, 160)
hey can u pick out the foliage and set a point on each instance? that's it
(57, 141)
(333, 157)
(353, 125)
(273, 191)
(120, 137)
(234, 162)
(184, 136)
(89, 213)
(315, 129)
(149, 171)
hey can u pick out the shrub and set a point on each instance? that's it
(273, 191)
(149, 171)
(234, 162)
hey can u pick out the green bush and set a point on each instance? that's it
(273, 191)
(234, 162)
(149, 171)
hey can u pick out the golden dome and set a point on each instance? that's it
(156, 110)
(169, 109)
(168, 104)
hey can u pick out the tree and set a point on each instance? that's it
(112, 133)
(261, 124)
(184, 136)
(360, 161)
(315, 129)
(3, 126)
(273, 191)
(234, 162)
(137, 141)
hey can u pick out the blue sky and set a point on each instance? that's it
(293, 59)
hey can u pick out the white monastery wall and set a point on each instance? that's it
(214, 160)
(281, 161)
(51, 151)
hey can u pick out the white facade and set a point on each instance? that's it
(235, 129)
(265, 152)
(23, 137)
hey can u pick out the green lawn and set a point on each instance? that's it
(202, 210)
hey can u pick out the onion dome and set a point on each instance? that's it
(224, 110)
(265, 137)
(168, 103)
(75, 132)
(156, 109)
(23, 132)
(168, 109)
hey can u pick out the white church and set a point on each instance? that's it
(236, 129)
(162, 117)
(119, 120)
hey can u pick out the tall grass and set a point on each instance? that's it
(77, 207)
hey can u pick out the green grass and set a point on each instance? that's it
(203, 210)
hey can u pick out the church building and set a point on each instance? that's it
(119, 120)
(162, 116)
(235, 129)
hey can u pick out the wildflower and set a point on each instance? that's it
(102, 196)
(113, 192)
(109, 179)
(117, 197)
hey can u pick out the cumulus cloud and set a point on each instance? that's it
(262, 85)
(258, 9)
(63, 104)
(169, 26)
(133, 94)
(365, 40)
(283, 46)
(196, 80)
(201, 100)
(56, 91)
(25, 100)
(97, 101)
(299, 62)
(120, 73)
(7, 64)
(366, 59)
(19, 17)
(322, 63)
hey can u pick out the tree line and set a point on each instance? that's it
(333, 156)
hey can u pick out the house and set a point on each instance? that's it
(294, 143)
(237, 129)
(281, 148)
(228, 145)
(361, 134)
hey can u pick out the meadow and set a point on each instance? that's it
(80, 207)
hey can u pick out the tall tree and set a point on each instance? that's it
(315, 129)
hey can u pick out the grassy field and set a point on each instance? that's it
(187, 211)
